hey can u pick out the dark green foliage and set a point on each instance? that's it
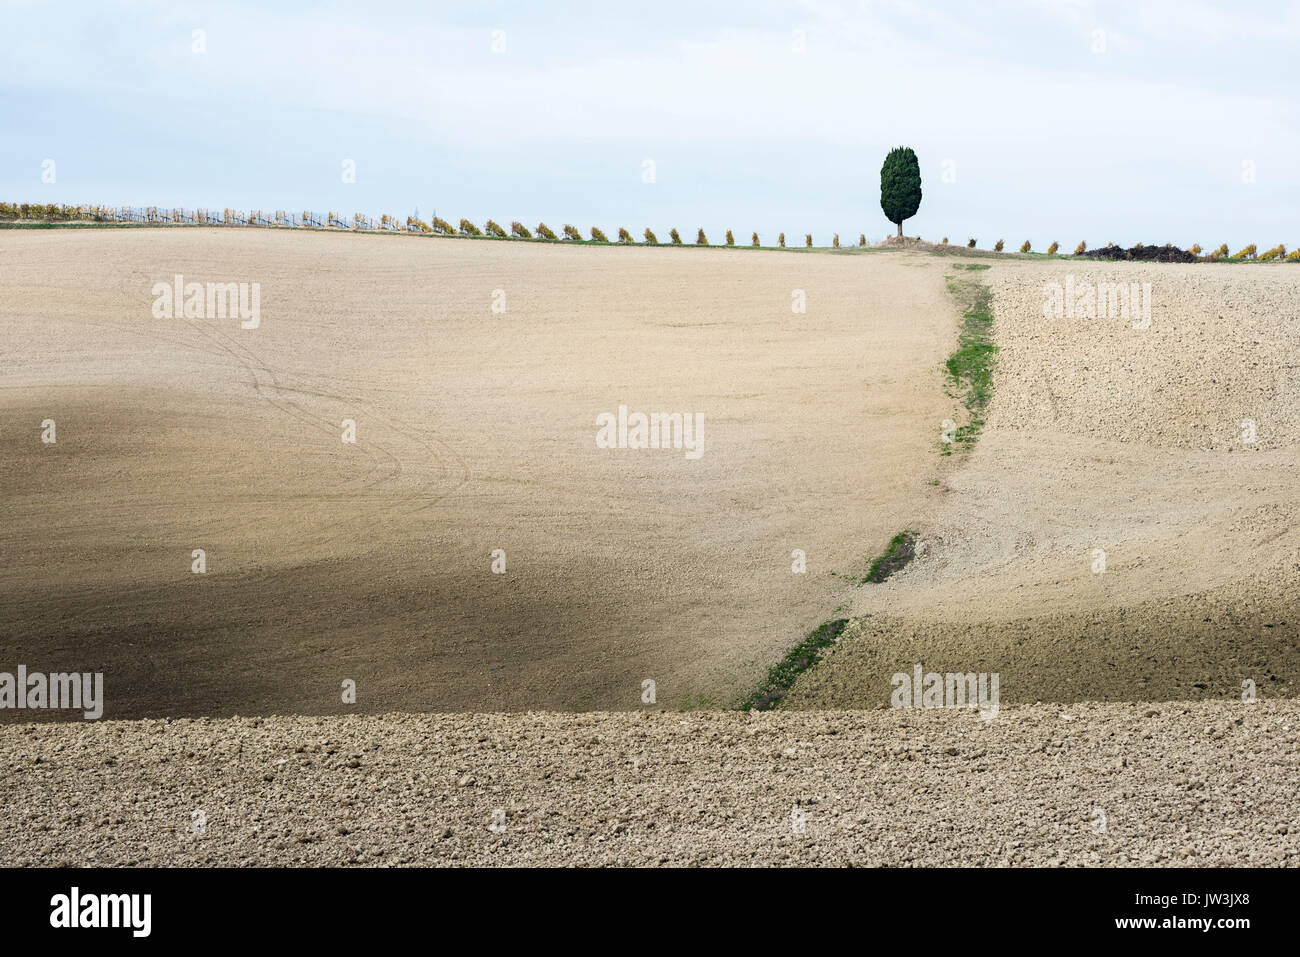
(781, 677)
(900, 550)
(900, 186)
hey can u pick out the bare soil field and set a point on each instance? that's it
(1167, 451)
(476, 431)
(1190, 784)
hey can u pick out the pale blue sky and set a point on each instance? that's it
(1051, 129)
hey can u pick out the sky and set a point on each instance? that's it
(1160, 121)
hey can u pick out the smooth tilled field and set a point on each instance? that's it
(476, 431)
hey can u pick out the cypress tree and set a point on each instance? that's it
(900, 186)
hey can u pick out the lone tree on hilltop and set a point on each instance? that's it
(900, 186)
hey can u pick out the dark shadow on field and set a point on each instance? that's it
(1196, 647)
(284, 641)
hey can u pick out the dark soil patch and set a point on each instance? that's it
(901, 550)
(1141, 253)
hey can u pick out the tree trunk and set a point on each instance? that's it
(900, 229)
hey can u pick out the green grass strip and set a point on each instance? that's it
(781, 677)
(970, 367)
(900, 550)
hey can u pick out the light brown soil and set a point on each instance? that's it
(476, 431)
(1189, 784)
(1102, 436)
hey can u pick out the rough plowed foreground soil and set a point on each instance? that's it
(1117, 784)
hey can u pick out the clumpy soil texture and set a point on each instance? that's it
(1158, 254)
(1201, 783)
(475, 432)
(1127, 526)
